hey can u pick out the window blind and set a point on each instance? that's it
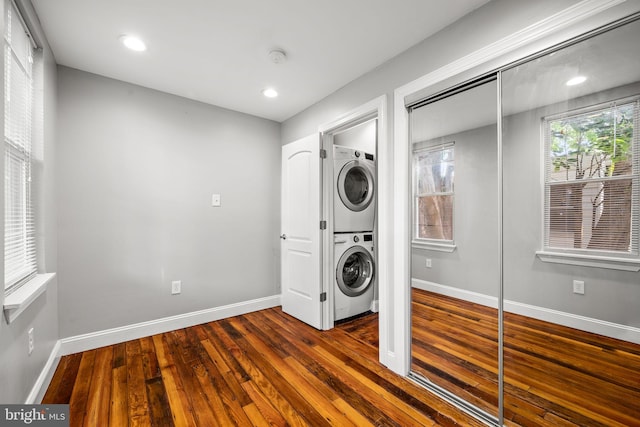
(19, 238)
(592, 179)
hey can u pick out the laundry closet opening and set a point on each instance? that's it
(353, 205)
(329, 230)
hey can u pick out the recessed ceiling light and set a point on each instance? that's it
(133, 43)
(270, 93)
(576, 80)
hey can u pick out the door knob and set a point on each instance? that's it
(283, 236)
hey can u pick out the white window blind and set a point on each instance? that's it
(592, 179)
(19, 238)
(433, 173)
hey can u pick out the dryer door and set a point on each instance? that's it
(355, 186)
(355, 271)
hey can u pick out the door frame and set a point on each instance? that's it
(374, 109)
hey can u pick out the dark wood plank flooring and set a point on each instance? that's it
(455, 345)
(554, 375)
(261, 369)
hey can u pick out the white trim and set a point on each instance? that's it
(584, 260)
(402, 222)
(433, 246)
(552, 24)
(384, 212)
(588, 324)
(112, 336)
(366, 111)
(42, 382)
(376, 108)
(512, 44)
(18, 301)
(453, 292)
(375, 306)
(327, 257)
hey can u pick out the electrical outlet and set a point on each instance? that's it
(31, 341)
(428, 263)
(578, 287)
(176, 287)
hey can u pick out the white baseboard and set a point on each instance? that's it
(42, 382)
(588, 324)
(98, 339)
(450, 291)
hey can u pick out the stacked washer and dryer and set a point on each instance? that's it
(354, 221)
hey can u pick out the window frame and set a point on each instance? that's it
(21, 151)
(441, 245)
(611, 259)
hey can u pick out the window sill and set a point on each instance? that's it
(613, 263)
(433, 246)
(18, 301)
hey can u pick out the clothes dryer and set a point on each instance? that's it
(355, 274)
(354, 204)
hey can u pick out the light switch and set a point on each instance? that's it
(215, 200)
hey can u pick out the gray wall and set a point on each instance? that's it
(473, 266)
(18, 370)
(136, 172)
(483, 26)
(487, 24)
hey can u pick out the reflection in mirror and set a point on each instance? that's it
(455, 258)
(571, 146)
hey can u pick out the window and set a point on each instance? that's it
(433, 170)
(19, 239)
(591, 180)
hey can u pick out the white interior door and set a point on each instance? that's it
(300, 238)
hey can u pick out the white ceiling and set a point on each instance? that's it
(216, 51)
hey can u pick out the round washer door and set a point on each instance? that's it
(354, 272)
(355, 186)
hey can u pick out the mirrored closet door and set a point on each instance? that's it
(525, 258)
(454, 263)
(571, 145)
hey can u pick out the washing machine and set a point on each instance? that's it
(355, 274)
(354, 204)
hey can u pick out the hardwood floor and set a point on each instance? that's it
(263, 368)
(455, 345)
(266, 368)
(554, 376)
